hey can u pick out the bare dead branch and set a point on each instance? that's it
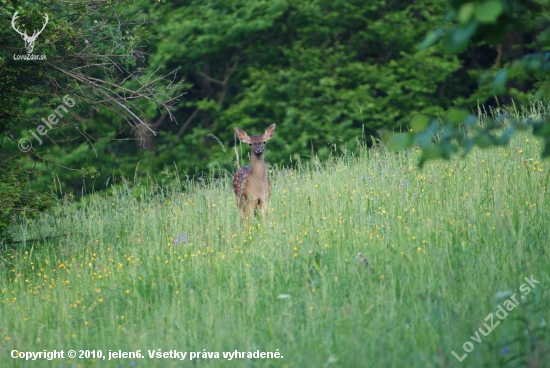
(187, 122)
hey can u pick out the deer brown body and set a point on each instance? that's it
(251, 183)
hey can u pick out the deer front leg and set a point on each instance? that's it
(264, 209)
(241, 213)
(241, 204)
(249, 209)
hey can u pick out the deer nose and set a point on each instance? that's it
(258, 151)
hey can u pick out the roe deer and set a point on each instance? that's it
(251, 183)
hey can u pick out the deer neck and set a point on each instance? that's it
(258, 166)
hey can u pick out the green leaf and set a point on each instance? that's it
(447, 150)
(466, 12)
(515, 69)
(541, 129)
(419, 122)
(456, 116)
(471, 120)
(468, 145)
(400, 141)
(504, 139)
(488, 11)
(423, 138)
(520, 125)
(546, 150)
(431, 151)
(483, 140)
(532, 62)
(458, 37)
(431, 38)
(499, 82)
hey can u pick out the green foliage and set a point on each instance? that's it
(15, 196)
(488, 22)
(460, 131)
(324, 72)
(90, 63)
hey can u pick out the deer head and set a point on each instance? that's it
(29, 40)
(256, 142)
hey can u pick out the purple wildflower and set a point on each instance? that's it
(505, 350)
(180, 239)
(403, 183)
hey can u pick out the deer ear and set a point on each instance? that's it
(269, 132)
(243, 137)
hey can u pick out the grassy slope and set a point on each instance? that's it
(441, 243)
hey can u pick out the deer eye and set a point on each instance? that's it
(250, 144)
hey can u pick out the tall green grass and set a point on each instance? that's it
(364, 261)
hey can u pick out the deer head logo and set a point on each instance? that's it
(29, 40)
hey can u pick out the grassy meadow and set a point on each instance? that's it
(364, 261)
